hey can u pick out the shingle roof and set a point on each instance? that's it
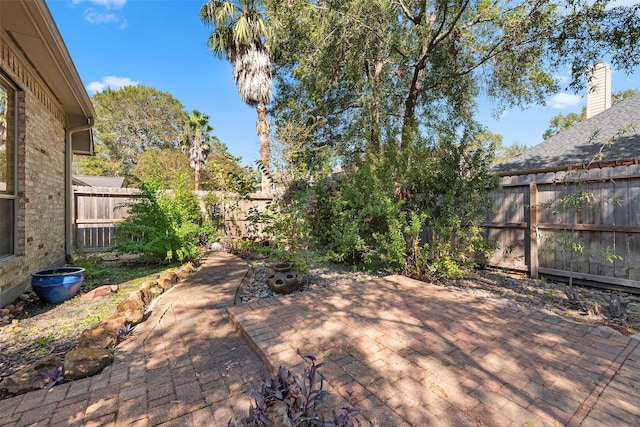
(580, 143)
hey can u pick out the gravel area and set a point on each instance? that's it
(321, 276)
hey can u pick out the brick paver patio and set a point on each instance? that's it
(411, 353)
(170, 372)
(405, 352)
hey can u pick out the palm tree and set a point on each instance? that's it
(241, 36)
(195, 141)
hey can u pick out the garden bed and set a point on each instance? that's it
(39, 329)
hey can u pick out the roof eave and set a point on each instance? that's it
(32, 28)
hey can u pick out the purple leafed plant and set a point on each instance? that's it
(123, 331)
(296, 398)
(56, 378)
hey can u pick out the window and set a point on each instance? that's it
(8, 145)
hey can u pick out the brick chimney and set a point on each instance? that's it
(598, 88)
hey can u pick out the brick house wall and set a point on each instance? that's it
(41, 178)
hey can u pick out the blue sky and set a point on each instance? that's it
(161, 43)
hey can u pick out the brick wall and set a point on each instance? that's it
(41, 181)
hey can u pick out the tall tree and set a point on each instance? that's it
(563, 122)
(392, 86)
(241, 35)
(381, 70)
(130, 121)
(195, 141)
(169, 166)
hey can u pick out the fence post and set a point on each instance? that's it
(533, 230)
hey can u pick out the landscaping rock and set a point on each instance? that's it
(100, 292)
(183, 274)
(84, 362)
(149, 284)
(141, 298)
(216, 247)
(130, 311)
(115, 321)
(173, 277)
(156, 290)
(165, 283)
(29, 378)
(98, 337)
(186, 270)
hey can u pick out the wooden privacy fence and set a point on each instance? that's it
(96, 210)
(583, 224)
(234, 212)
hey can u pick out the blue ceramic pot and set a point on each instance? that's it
(58, 284)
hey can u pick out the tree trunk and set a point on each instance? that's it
(262, 129)
(373, 74)
(197, 180)
(409, 120)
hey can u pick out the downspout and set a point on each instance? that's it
(68, 226)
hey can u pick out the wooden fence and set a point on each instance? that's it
(98, 209)
(583, 224)
(234, 212)
(597, 240)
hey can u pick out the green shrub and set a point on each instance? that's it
(414, 210)
(212, 226)
(161, 224)
(283, 222)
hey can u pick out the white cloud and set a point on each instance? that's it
(110, 81)
(99, 18)
(109, 4)
(564, 100)
(103, 13)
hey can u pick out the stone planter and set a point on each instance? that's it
(283, 283)
(282, 268)
(58, 284)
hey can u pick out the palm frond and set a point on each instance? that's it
(220, 42)
(228, 12)
(242, 31)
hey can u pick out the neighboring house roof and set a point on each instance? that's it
(31, 28)
(578, 145)
(98, 181)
